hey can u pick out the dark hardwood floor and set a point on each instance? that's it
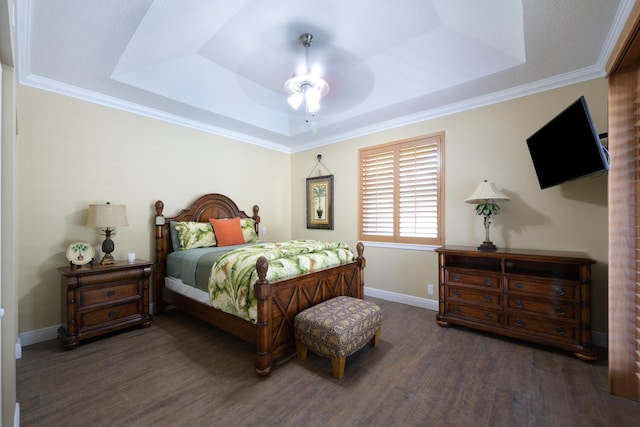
(182, 372)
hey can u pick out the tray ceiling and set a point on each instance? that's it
(220, 66)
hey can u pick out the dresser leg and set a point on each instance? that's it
(586, 354)
(440, 321)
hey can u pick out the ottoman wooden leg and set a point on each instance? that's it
(376, 339)
(338, 363)
(301, 349)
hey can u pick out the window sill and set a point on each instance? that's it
(402, 246)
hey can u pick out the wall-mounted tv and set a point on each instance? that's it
(568, 147)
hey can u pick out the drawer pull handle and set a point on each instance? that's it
(560, 311)
(560, 330)
(488, 298)
(488, 282)
(456, 277)
(488, 316)
(111, 293)
(113, 313)
(560, 291)
(457, 293)
(457, 310)
(519, 322)
(519, 285)
(519, 304)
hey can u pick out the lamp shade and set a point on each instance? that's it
(107, 215)
(486, 192)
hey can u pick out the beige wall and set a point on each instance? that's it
(485, 143)
(71, 153)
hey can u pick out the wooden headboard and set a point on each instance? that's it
(211, 205)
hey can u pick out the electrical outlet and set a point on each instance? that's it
(430, 289)
(264, 230)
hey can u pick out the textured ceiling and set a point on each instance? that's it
(220, 66)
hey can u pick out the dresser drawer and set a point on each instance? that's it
(107, 294)
(478, 296)
(553, 308)
(546, 288)
(544, 326)
(115, 313)
(473, 312)
(455, 276)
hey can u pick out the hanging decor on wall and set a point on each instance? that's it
(320, 199)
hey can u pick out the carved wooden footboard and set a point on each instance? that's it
(278, 302)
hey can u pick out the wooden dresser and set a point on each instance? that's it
(538, 296)
(100, 299)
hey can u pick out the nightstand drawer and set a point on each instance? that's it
(471, 278)
(107, 294)
(106, 315)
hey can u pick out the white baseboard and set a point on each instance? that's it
(39, 335)
(33, 337)
(18, 349)
(402, 298)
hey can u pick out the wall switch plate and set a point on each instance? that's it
(264, 230)
(430, 289)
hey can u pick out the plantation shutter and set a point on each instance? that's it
(400, 192)
(377, 211)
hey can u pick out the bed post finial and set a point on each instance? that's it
(159, 207)
(256, 218)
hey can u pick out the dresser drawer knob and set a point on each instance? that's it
(560, 311)
(488, 282)
(113, 313)
(560, 291)
(519, 304)
(488, 316)
(560, 330)
(519, 322)
(111, 293)
(457, 310)
(457, 293)
(519, 285)
(488, 298)
(456, 277)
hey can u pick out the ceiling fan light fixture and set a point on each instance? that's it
(295, 100)
(306, 87)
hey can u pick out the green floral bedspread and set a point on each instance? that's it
(234, 273)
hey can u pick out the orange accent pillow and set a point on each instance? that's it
(228, 231)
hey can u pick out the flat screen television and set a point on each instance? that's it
(568, 147)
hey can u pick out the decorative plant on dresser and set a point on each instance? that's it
(539, 296)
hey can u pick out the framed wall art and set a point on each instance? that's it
(320, 202)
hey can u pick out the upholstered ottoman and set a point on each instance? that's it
(337, 328)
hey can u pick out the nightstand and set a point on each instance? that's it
(97, 299)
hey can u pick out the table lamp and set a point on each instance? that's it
(485, 196)
(107, 216)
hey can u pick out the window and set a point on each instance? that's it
(401, 192)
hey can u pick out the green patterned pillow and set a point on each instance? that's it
(195, 235)
(248, 230)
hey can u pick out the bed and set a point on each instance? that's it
(277, 304)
